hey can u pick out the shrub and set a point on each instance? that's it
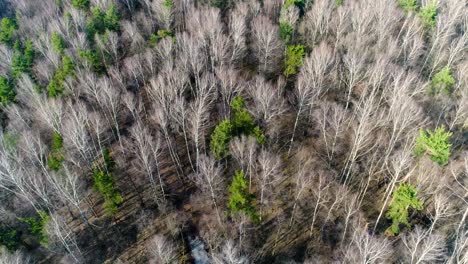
(57, 43)
(56, 152)
(428, 14)
(7, 93)
(435, 144)
(294, 55)
(408, 5)
(442, 81)
(80, 4)
(239, 197)
(7, 29)
(404, 198)
(37, 226)
(286, 31)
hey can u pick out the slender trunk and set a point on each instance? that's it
(294, 128)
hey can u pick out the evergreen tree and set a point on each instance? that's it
(7, 93)
(220, 138)
(408, 5)
(404, 198)
(239, 197)
(104, 183)
(112, 18)
(7, 29)
(442, 81)
(37, 226)
(435, 144)
(57, 43)
(428, 14)
(294, 55)
(56, 153)
(80, 4)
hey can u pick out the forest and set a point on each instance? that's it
(233, 131)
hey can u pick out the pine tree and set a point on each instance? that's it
(7, 93)
(7, 29)
(404, 198)
(442, 81)
(435, 144)
(57, 43)
(294, 55)
(239, 197)
(104, 183)
(112, 18)
(56, 153)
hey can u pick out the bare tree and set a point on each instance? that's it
(421, 247)
(442, 207)
(161, 250)
(333, 122)
(16, 257)
(229, 254)
(208, 179)
(147, 150)
(229, 86)
(61, 236)
(244, 150)
(310, 82)
(269, 166)
(268, 99)
(267, 46)
(367, 249)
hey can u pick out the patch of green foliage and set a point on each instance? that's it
(58, 45)
(222, 4)
(155, 38)
(37, 226)
(7, 30)
(81, 4)
(442, 81)
(101, 20)
(7, 92)
(241, 122)
(239, 197)
(9, 238)
(56, 152)
(220, 138)
(104, 183)
(298, 3)
(112, 18)
(338, 2)
(55, 88)
(435, 144)
(168, 4)
(286, 31)
(22, 59)
(404, 198)
(294, 56)
(428, 14)
(408, 5)
(94, 60)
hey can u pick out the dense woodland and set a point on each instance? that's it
(234, 132)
